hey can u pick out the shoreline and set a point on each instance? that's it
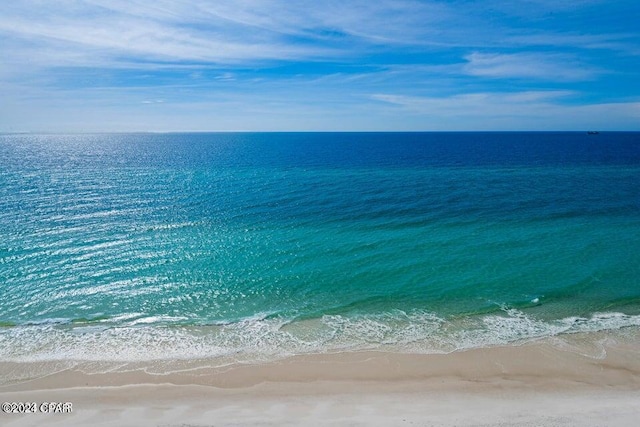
(583, 379)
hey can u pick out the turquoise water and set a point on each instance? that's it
(143, 246)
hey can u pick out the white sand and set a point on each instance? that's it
(547, 384)
(353, 404)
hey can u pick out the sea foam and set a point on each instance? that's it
(264, 339)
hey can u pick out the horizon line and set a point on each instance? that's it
(301, 131)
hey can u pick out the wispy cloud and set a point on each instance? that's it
(622, 42)
(118, 33)
(214, 32)
(527, 66)
(313, 64)
(462, 102)
(533, 110)
(120, 38)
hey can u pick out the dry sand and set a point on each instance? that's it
(588, 380)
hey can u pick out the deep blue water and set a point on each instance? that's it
(142, 246)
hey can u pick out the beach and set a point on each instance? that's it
(343, 213)
(585, 379)
(203, 279)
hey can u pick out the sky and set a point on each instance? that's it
(334, 65)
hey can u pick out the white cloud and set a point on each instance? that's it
(527, 65)
(112, 32)
(531, 110)
(481, 103)
(68, 59)
(623, 42)
(117, 38)
(135, 33)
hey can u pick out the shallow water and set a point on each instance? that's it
(147, 246)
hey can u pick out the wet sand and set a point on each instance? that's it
(581, 380)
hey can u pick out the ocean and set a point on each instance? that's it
(256, 246)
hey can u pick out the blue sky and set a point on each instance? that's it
(217, 65)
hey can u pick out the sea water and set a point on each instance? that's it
(133, 247)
